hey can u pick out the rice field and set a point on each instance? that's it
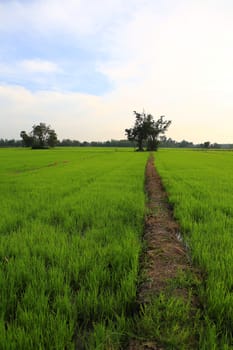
(70, 235)
(200, 189)
(71, 230)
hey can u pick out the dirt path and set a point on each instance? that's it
(165, 255)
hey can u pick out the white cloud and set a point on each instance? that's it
(182, 67)
(172, 58)
(88, 117)
(31, 72)
(73, 17)
(73, 115)
(39, 66)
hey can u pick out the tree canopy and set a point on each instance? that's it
(41, 137)
(146, 130)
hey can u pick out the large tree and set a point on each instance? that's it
(146, 130)
(41, 136)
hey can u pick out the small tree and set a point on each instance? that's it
(40, 137)
(147, 130)
(207, 144)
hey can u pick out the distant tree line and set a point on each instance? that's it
(170, 143)
(10, 143)
(70, 143)
(111, 143)
(164, 143)
(145, 133)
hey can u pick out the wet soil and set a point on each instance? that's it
(165, 255)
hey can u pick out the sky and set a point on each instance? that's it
(83, 67)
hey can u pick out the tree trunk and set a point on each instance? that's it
(140, 146)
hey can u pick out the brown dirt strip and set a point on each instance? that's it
(165, 254)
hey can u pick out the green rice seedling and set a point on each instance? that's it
(199, 186)
(70, 236)
(166, 320)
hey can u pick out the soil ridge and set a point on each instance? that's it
(165, 256)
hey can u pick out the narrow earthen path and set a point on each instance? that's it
(165, 256)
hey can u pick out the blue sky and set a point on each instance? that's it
(84, 66)
(52, 59)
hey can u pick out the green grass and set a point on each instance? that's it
(70, 229)
(166, 320)
(70, 238)
(200, 187)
